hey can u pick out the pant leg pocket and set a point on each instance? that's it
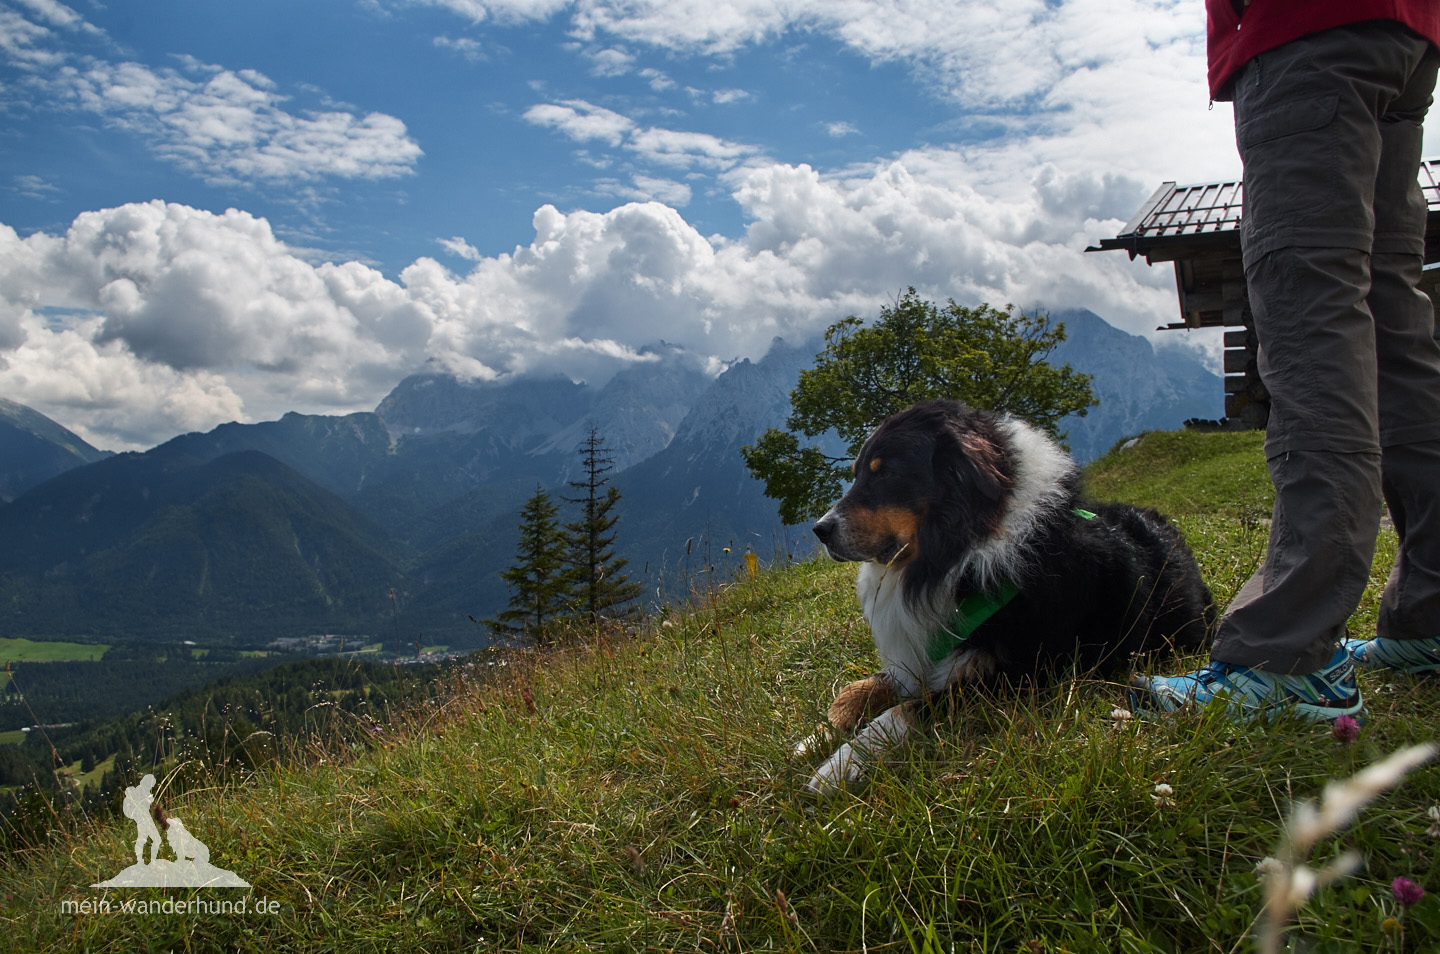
(1287, 145)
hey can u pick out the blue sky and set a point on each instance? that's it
(223, 211)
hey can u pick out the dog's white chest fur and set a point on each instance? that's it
(902, 635)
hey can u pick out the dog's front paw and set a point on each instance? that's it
(860, 700)
(822, 738)
(846, 768)
(841, 771)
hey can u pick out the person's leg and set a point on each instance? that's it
(1308, 119)
(1289, 617)
(1410, 607)
(1409, 390)
(1307, 122)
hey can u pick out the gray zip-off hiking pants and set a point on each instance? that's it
(1329, 130)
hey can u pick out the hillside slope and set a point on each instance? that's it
(34, 448)
(239, 545)
(642, 795)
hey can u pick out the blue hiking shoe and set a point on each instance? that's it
(1416, 656)
(1322, 696)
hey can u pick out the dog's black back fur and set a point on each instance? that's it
(1101, 590)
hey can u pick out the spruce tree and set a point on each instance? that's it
(598, 587)
(538, 581)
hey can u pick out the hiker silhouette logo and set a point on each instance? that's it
(191, 867)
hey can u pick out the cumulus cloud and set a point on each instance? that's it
(173, 318)
(165, 314)
(185, 318)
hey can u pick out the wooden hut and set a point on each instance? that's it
(1197, 227)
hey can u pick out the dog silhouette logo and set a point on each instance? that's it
(191, 867)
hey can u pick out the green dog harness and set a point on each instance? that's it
(974, 610)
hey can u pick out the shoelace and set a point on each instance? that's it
(1212, 672)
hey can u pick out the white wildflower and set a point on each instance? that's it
(1288, 882)
(1121, 716)
(1434, 814)
(1163, 795)
(1342, 801)
(1268, 867)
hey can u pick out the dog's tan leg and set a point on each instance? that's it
(862, 699)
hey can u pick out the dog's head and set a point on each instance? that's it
(930, 482)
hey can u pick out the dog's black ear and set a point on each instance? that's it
(967, 460)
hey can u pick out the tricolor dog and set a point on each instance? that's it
(981, 567)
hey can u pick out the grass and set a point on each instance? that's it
(642, 795)
(29, 650)
(13, 650)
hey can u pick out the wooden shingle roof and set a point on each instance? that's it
(1177, 217)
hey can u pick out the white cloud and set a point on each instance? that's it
(658, 80)
(233, 126)
(643, 188)
(456, 245)
(679, 148)
(34, 187)
(22, 42)
(610, 62)
(672, 193)
(186, 318)
(584, 122)
(581, 121)
(59, 15)
(1082, 80)
(465, 46)
(839, 130)
(724, 97)
(107, 395)
(176, 312)
(501, 11)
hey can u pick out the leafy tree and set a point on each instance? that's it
(598, 586)
(538, 582)
(916, 351)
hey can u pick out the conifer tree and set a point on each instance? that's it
(598, 586)
(538, 580)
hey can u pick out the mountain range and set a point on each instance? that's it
(34, 448)
(397, 522)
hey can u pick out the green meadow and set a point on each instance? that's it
(639, 793)
(29, 650)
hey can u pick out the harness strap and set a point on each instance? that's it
(974, 610)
